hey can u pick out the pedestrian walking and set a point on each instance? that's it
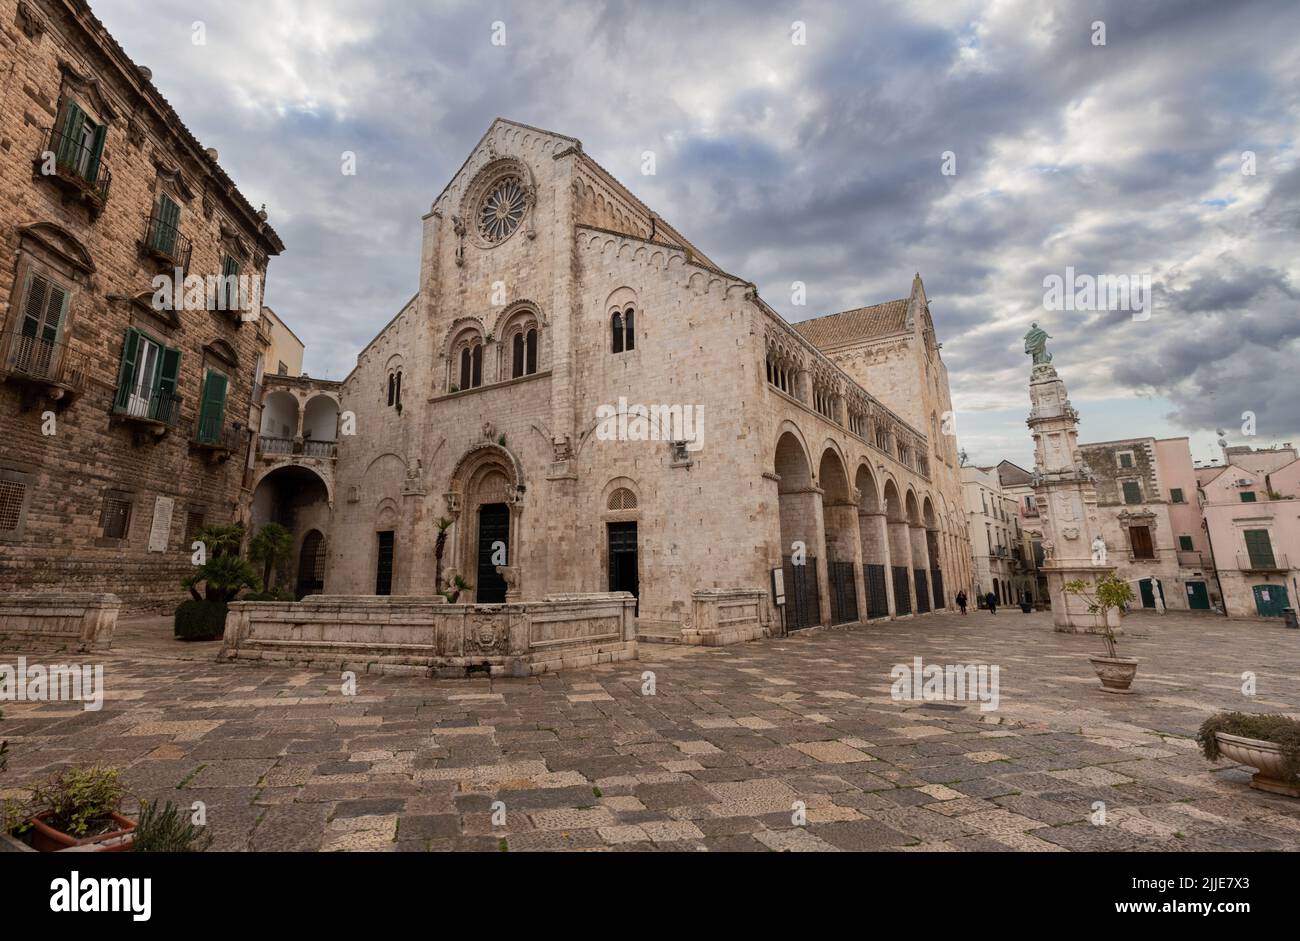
(961, 600)
(992, 601)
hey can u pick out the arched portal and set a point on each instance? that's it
(296, 498)
(918, 553)
(931, 523)
(311, 565)
(873, 536)
(488, 486)
(843, 557)
(900, 550)
(800, 511)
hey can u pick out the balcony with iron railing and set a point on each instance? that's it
(163, 240)
(159, 408)
(1261, 562)
(270, 446)
(73, 164)
(50, 365)
(211, 434)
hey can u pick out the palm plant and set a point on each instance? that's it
(272, 545)
(439, 548)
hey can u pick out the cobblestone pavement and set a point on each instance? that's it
(715, 760)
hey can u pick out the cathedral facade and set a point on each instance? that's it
(578, 400)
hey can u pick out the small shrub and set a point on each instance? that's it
(200, 620)
(277, 595)
(1277, 729)
(167, 831)
(79, 801)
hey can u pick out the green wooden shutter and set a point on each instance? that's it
(165, 229)
(1259, 547)
(126, 374)
(38, 296)
(73, 121)
(167, 405)
(1248, 496)
(96, 153)
(213, 408)
(1185, 543)
(1132, 492)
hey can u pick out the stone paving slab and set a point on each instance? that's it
(787, 744)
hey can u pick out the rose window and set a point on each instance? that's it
(502, 210)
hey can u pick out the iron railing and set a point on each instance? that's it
(159, 405)
(1261, 562)
(163, 239)
(75, 162)
(47, 361)
(210, 432)
(267, 444)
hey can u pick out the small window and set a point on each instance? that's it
(193, 524)
(1185, 543)
(621, 499)
(471, 367)
(80, 143)
(392, 389)
(1259, 548)
(1248, 496)
(228, 293)
(1126, 459)
(1176, 495)
(623, 332)
(1139, 538)
(1132, 491)
(398, 395)
(12, 494)
(212, 408)
(283, 368)
(116, 521)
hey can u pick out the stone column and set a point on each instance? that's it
(842, 520)
(900, 554)
(921, 560)
(874, 539)
(1066, 498)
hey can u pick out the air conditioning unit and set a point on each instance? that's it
(1244, 482)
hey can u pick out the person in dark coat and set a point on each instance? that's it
(992, 601)
(961, 600)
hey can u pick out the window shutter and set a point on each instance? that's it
(96, 153)
(126, 374)
(1248, 496)
(213, 409)
(38, 291)
(1140, 540)
(1259, 547)
(1185, 543)
(169, 373)
(1132, 492)
(73, 121)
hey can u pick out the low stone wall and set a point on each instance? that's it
(721, 616)
(397, 634)
(86, 619)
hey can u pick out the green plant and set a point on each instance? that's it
(77, 801)
(277, 595)
(1109, 593)
(454, 588)
(167, 831)
(271, 546)
(222, 540)
(1280, 730)
(439, 548)
(222, 578)
(502, 440)
(199, 620)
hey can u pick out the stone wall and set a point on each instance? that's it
(64, 455)
(82, 618)
(412, 634)
(722, 616)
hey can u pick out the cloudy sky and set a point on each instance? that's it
(821, 162)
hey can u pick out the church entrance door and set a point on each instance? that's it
(493, 533)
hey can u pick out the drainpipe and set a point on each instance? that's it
(1209, 540)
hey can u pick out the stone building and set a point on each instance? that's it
(1252, 528)
(1028, 557)
(1150, 516)
(577, 399)
(996, 538)
(123, 415)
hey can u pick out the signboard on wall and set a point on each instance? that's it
(162, 523)
(778, 587)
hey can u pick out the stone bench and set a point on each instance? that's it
(87, 619)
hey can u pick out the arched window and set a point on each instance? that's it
(623, 331)
(397, 397)
(471, 365)
(530, 352)
(517, 368)
(621, 499)
(392, 386)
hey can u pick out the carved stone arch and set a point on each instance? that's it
(387, 514)
(790, 428)
(458, 328)
(89, 89)
(223, 351)
(517, 309)
(60, 245)
(620, 500)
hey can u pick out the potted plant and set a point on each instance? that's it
(1106, 599)
(454, 587)
(78, 807)
(1270, 743)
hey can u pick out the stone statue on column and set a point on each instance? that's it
(1064, 492)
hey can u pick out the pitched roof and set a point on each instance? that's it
(858, 324)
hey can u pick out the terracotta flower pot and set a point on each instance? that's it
(46, 839)
(1116, 673)
(1266, 756)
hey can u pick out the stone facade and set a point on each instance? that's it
(549, 294)
(104, 189)
(997, 541)
(1150, 518)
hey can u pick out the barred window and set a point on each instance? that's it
(11, 504)
(116, 521)
(621, 499)
(193, 523)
